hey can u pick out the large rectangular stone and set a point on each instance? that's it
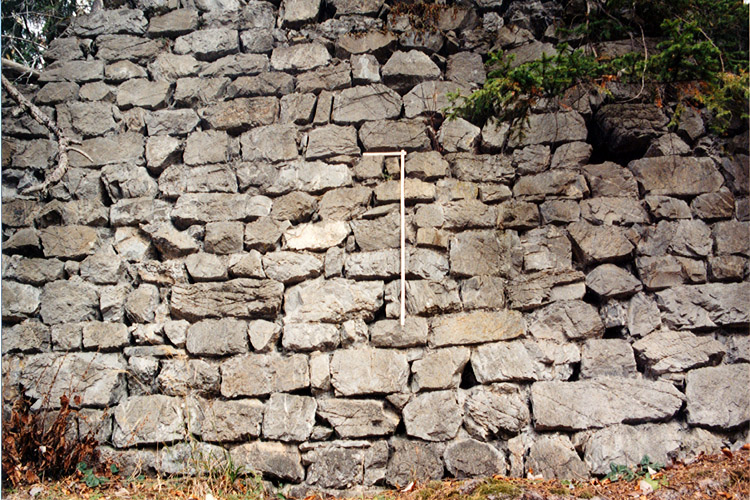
(476, 327)
(261, 374)
(240, 298)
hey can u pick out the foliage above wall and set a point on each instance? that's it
(701, 59)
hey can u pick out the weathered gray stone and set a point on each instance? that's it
(599, 243)
(482, 168)
(413, 461)
(664, 207)
(67, 302)
(667, 351)
(718, 396)
(406, 69)
(532, 159)
(232, 420)
(105, 336)
(380, 264)
(172, 122)
(368, 371)
(365, 103)
(223, 237)
(331, 77)
(602, 402)
(241, 114)
(344, 464)
(726, 267)
(423, 297)
(625, 444)
(466, 68)
(472, 458)
(241, 298)
(483, 292)
(607, 358)
(415, 191)
(546, 248)
(238, 65)
(571, 319)
(439, 369)
(310, 337)
(20, 301)
(208, 44)
(375, 234)
(200, 208)
(365, 69)
(344, 203)
(718, 205)
(217, 337)
(533, 290)
(731, 237)
(300, 57)
(476, 253)
(375, 42)
(88, 119)
(458, 135)
(118, 47)
(409, 135)
(358, 418)
(562, 183)
(29, 336)
(667, 145)
(298, 12)
(266, 83)
(99, 379)
(426, 166)
(73, 71)
(182, 377)
(246, 265)
(553, 128)
(206, 147)
(297, 108)
(141, 303)
(263, 334)
(143, 93)
(73, 241)
(316, 236)
(609, 280)
(313, 177)
(263, 234)
(169, 241)
(271, 143)
(620, 211)
(705, 306)
(126, 181)
(169, 67)
(331, 141)
(110, 21)
(277, 460)
(292, 267)
(294, 207)
(554, 457)
(676, 175)
(433, 416)
(524, 360)
(288, 417)
(429, 97)
(573, 155)
(495, 410)
(630, 127)
(476, 327)
(261, 374)
(174, 23)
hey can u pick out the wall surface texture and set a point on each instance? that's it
(220, 271)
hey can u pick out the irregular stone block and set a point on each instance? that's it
(602, 402)
(571, 319)
(380, 264)
(200, 208)
(433, 416)
(172, 122)
(238, 115)
(217, 337)
(183, 377)
(105, 336)
(481, 168)
(208, 44)
(630, 127)
(609, 280)
(71, 241)
(271, 143)
(261, 374)
(405, 69)
(292, 267)
(476, 327)
(102, 22)
(559, 183)
(20, 301)
(277, 460)
(439, 369)
(524, 360)
(409, 135)
(331, 141)
(378, 233)
(676, 175)
(99, 379)
(668, 351)
(231, 420)
(344, 203)
(607, 358)
(554, 457)
(365, 103)
(313, 177)
(300, 57)
(358, 418)
(368, 371)
(288, 417)
(472, 458)
(29, 336)
(344, 464)
(334, 300)
(310, 337)
(718, 396)
(239, 298)
(495, 410)
(552, 128)
(705, 306)
(413, 461)
(475, 253)
(546, 248)
(173, 23)
(68, 302)
(599, 243)
(118, 47)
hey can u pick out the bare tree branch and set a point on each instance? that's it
(63, 141)
(20, 68)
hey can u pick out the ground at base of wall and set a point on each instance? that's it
(722, 476)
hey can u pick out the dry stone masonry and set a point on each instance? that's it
(219, 274)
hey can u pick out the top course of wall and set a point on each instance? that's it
(220, 271)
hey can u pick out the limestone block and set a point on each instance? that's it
(433, 416)
(368, 371)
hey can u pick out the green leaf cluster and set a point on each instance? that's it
(644, 469)
(89, 475)
(701, 60)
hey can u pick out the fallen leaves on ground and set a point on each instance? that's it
(724, 476)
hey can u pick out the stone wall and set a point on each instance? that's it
(220, 270)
